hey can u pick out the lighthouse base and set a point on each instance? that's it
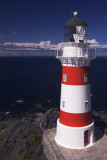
(75, 137)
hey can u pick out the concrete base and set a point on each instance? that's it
(53, 151)
(73, 137)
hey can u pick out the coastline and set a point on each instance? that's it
(21, 133)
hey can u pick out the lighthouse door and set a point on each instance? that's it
(86, 137)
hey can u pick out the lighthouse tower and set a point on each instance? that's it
(75, 127)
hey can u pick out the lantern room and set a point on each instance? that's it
(75, 29)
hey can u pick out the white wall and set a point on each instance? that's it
(75, 97)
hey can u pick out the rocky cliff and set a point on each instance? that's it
(21, 137)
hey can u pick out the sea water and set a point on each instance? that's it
(26, 82)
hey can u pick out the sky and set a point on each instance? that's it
(33, 21)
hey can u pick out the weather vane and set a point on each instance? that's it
(75, 13)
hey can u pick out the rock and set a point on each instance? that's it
(47, 120)
(100, 120)
(19, 133)
(20, 140)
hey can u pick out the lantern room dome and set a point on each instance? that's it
(75, 21)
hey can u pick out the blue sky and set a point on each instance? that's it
(42, 20)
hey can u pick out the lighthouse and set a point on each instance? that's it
(75, 127)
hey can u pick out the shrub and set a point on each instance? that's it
(29, 129)
(24, 119)
(1, 139)
(36, 139)
(4, 145)
(31, 118)
(24, 155)
(2, 127)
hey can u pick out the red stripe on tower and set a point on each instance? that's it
(75, 75)
(75, 119)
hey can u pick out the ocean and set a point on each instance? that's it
(34, 83)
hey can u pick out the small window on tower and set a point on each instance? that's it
(85, 77)
(64, 77)
(63, 104)
(86, 104)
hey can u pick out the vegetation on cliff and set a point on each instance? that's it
(21, 137)
(20, 140)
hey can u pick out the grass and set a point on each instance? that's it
(2, 127)
(36, 139)
(1, 139)
(32, 135)
(24, 119)
(30, 138)
(24, 154)
(3, 145)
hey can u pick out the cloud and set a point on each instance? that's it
(42, 45)
(101, 46)
(93, 41)
(42, 48)
(95, 44)
(46, 45)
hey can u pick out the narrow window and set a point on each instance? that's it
(86, 104)
(63, 104)
(64, 77)
(85, 77)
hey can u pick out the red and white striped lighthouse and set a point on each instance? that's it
(75, 127)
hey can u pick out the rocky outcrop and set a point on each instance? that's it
(21, 137)
(100, 120)
(47, 120)
(20, 140)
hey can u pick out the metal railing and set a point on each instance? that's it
(82, 53)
